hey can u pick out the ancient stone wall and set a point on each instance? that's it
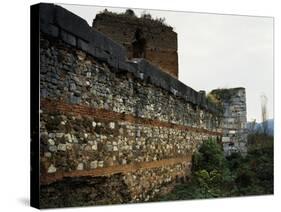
(234, 119)
(160, 40)
(112, 130)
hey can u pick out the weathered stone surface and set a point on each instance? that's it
(52, 169)
(95, 146)
(53, 148)
(112, 125)
(72, 87)
(51, 141)
(80, 167)
(234, 119)
(75, 99)
(68, 137)
(59, 135)
(225, 139)
(101, 120)
(103, 48)
(68, 38)
(161, 52)
(62, 147)
(94, 164)
(47, 154)
(100, 164)
(95, 191)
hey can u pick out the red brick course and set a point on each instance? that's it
(102, 114)
(107, 171)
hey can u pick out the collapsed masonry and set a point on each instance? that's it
(112, 130)
(142, 37)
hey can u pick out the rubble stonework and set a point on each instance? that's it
(112, 130)
(234, 119)
(95, 122)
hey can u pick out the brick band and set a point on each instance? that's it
(56, 105)
(107, 171)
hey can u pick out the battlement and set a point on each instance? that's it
(62, 24)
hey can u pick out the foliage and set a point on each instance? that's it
(264, 113)
(252, 126)
(213, 175)
(223, 93)
(130, 14)
(146, 15)
(210, 157)
(213, 98)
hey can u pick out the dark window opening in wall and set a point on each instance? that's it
(139, 44)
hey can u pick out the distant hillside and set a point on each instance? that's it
(259, 127)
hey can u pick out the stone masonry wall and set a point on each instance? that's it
(234, 119)
(111, 130)
(161, 40)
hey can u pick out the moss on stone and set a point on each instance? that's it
(213, 98)
(224, 94)
(130, 15)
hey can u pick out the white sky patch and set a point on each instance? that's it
(217, 51)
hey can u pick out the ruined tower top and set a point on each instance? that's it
(143, 37)
(234, 119)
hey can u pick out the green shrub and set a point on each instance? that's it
(213, 175)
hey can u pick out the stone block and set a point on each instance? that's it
(100, 164)
(49, 29)
(112, 125)
(71, 23)
(52, 169)
(47, 13)
(68, 38)
(51, 141)
(95, 146)
(83, 45)
(94, 164)
(53, 148)
(75, 99)
(62, 147)
(80, 167)
(225, 139)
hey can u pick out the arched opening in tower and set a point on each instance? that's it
(139, 44)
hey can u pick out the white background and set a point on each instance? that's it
(14, 100)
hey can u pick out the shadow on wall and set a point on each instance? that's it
(85, 191)
(139, 44)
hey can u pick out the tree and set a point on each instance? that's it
(209, 157)
(264, 114)
(213, 175)
(130, 12)
(145, 15)
(252, 126)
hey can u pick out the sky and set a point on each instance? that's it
(217, 51)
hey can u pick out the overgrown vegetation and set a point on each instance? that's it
(222, 93)
(145, 16)
(213, 98)
(214, 176)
